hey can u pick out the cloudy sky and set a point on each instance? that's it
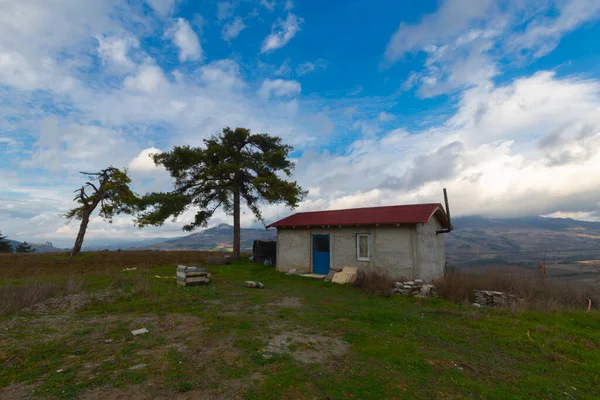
(385, 102)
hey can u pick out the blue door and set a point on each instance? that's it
(320, 254)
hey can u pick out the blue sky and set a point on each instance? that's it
(385, 102)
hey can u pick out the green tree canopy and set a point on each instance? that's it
(108, 189)
(5, 246)
(24, 248)
(233, 165)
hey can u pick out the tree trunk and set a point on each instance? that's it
(236, 224)
(82, 228)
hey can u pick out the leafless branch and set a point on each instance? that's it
(92, 185)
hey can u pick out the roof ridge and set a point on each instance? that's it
(395, 214)
(365, 208)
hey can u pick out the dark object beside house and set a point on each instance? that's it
(264, 250)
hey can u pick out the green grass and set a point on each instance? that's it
(214, 339)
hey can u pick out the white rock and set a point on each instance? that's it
(139, 331)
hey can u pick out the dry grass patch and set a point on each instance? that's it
(374, 281)
(14, 298)
(539, 295)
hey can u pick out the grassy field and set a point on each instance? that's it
(296, 339)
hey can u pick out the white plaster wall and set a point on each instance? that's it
(431, 254)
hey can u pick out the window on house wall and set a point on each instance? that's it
(363, 247)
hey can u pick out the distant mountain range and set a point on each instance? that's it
(46, 247)
(219, 238)
(528, 239)
(124, 244)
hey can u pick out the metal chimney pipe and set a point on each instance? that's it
(450, 227)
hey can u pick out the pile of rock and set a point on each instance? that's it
(491, 298)
(416, 288)
(192, 276)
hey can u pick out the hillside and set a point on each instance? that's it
(124, 244)
(219, 238)
(299, 338)
(46, 247)
(560, 240)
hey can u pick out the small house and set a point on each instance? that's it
(405, 240)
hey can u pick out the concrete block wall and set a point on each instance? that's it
(431, 254)
(411, 251)
(293, 249)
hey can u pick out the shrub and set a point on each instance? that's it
(374, 281)
(13, 298)
(539, 295)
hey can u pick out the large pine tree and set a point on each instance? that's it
(236, 165)
(5, 246)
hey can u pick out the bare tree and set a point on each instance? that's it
(111, 191)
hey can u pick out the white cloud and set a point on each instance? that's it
(511, 150)
(113, 50)
(279, 88)
(62, 115)
(225, 10)
(464, 41)
(73, 146)
(449, 20)
(163, 7)
(308, 67)
(233, 28)
(268, 4)
(34, 32)
(284, 69)
(143, 162)
(148, 78)
(281, 33)
(385, 117)
(198, 21)
(305, 68)
(9, 145)
(367, 127)
(184, 37)
(224, 74)
(542, 35)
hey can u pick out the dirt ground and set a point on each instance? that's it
(296, 338)
(179, 335)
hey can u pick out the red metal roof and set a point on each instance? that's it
(404, 214)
